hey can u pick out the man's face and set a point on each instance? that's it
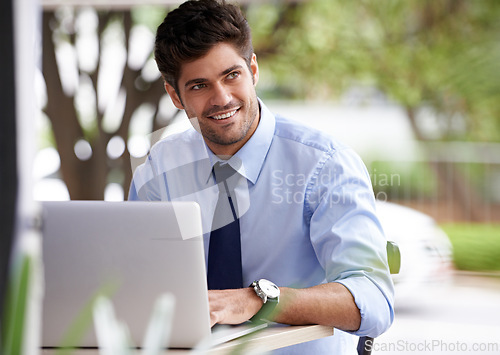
(218, 94)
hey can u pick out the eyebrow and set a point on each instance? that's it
(223, 73)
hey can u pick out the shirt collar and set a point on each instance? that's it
(248, 161)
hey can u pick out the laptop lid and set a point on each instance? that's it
(131, 251)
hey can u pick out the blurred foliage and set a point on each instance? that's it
(421, 53)
(17, 308)
(483, 178)
(148, 15)
(415, 180)
(402, 180)
(81, 325)
(441, 57)
(476, 247)
(103, 93)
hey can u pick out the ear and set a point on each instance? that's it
(255, 69)
(173, 95)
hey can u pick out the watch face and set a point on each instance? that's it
(270, 289)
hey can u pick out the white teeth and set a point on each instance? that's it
(225, 115)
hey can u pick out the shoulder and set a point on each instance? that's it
(327, 153)
(302, 135)
(177, 143)
(177, 150)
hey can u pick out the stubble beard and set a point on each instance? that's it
(242, 132)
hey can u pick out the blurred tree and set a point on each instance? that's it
(92, 111)
(443, 56)
(424, 54)
(440, 54)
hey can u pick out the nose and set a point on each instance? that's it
(221, 95)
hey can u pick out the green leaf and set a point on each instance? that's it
(15, 315)
(83, 321)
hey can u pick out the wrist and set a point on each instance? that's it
(269, 295)
(255, 302)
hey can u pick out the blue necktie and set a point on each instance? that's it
(224, 251)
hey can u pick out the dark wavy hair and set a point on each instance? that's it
(191, 30)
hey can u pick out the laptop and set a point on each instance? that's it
(131, 252)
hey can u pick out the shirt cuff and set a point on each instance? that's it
(376, 308)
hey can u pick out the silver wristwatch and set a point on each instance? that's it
(270, 295)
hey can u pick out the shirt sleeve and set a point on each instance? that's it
(348, 238)
(146, 184)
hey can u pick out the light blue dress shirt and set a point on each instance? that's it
(307, 214)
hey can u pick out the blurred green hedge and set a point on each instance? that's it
(476, 247)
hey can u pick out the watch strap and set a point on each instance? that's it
(265, 312)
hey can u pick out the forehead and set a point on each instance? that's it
(211, 65)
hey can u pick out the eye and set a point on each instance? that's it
(198, 86)
(233, 75)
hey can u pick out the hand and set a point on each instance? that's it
(233, 306)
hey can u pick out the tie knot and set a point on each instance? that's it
(223, 172)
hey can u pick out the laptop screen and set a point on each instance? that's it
(131, 252)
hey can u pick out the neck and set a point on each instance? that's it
(225, 152)
(224, 157)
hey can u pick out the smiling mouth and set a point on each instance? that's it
(224, 116)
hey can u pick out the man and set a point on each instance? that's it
(302, 201)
